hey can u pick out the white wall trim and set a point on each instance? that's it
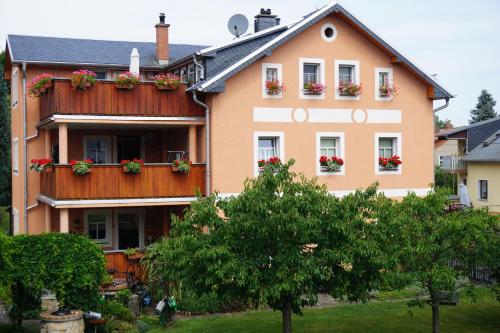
(279, 69)
(14, 88)
(15, 156)
(334, 116)
(357, 70)
(15, 221)
(109, 225)
(272, 115)
(115, 202)
(323, 35)
(321, 63)
(256, 136)
(341, 139)
(399, 152)
(379, 70)
(380, 116)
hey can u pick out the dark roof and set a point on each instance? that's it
(35, 49)
(487, 151)
(242, 57)
(476, 133)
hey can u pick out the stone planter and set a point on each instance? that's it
(70, 323)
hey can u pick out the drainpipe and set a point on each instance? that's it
(442, 106)
(207, 141)
(25, 153)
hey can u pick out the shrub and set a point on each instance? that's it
(198, 304)
(395, 281)
(120, 326)
(142, 326)
(116, 310)
(70, 265)
(122, 296)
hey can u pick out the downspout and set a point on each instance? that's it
(25, 153)
(442, 106)
(207, 127)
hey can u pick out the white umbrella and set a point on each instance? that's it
(464, 195)
(134, 61)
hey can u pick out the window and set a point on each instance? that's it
(129, 231)
(483, 190)
(382, 76)
(329, 144)
(311, 71)
(346, 71)
(15, 155)
(441, 161)
(184, 75)
(271, 72)
(14, 88)
(328, 32)
(101, 75)
(98, 225)
(190, 77)
(98, 149)
(267, 145)
(386, 146)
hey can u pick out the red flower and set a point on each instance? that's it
(323, 160)
(337, 160)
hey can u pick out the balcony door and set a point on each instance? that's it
(98, 149)
(129, 230)
(129, 147)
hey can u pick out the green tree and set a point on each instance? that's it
(428, 240)
(444, 179)
(5, 174)
(484, 108)
(277, 243)
(440, 124)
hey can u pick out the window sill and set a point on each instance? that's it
(388, 169)
(482, 200)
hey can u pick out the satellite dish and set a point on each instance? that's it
(237, 25)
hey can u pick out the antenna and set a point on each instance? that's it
(237, 25)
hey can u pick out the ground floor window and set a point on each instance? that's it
(267, 145)
(98, 226)
(483, 189)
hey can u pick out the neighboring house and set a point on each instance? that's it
(452, 145)
(244, 123)
(483, 173)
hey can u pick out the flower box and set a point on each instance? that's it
(81, 168)
(41, 165)
(133, 167)
(167, 81)
(313, 88)
(349, 89)
(182, 166)
(389, 163)
(387, 90)
(331, 165)
(274, 87)
(273, 163)
(39, 84)
(83, 79)
(127, 80)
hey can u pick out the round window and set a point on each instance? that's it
(328, 32)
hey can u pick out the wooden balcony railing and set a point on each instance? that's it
(105, 99)
(110, 182)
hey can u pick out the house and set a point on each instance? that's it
(225, 120)
(452, 145)
(483, 173)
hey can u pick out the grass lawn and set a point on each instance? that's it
(483, 316)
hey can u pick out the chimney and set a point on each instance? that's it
(265, 20)
(162, 40)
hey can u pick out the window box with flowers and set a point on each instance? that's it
(387, 90)
(39, 84)
(83, 79)
(389, 163)
(275, 87)
(273, 163)
(41, 165)
(81, 167)
(182, 166)
(314, 88)
(351, 89)
(133, 167)
(167, 81)
(333, 164)
(127, 80)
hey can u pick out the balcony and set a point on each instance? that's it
(452, 163)
(105, 99)
(110, 182)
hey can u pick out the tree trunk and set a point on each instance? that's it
(435, 316)
(287, 315)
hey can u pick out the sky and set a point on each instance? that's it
(456, 39)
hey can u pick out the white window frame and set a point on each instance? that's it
(281, 142)
(109, 157)
(279, 69)
(109, 225)
(379, 70)
(14, 88)
(15, 156)
(341, 149)
(15, 221)
(324, 36)
(356, 68)
(321, 63)
(479, 190)
(116, 233)
(399, 152)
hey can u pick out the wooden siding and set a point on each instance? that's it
(105, 99)
(110, 182)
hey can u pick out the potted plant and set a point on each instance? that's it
(275, 87)
(133, 167)
(391, 163)
(83, 79)
(39, 84)
(333, 164)
(386, 89)
(41, 165)
(167, 81)
(350, 88)
(81, 167)
(274, 162)
(127, 80)
(182, 166)
(314, 88)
